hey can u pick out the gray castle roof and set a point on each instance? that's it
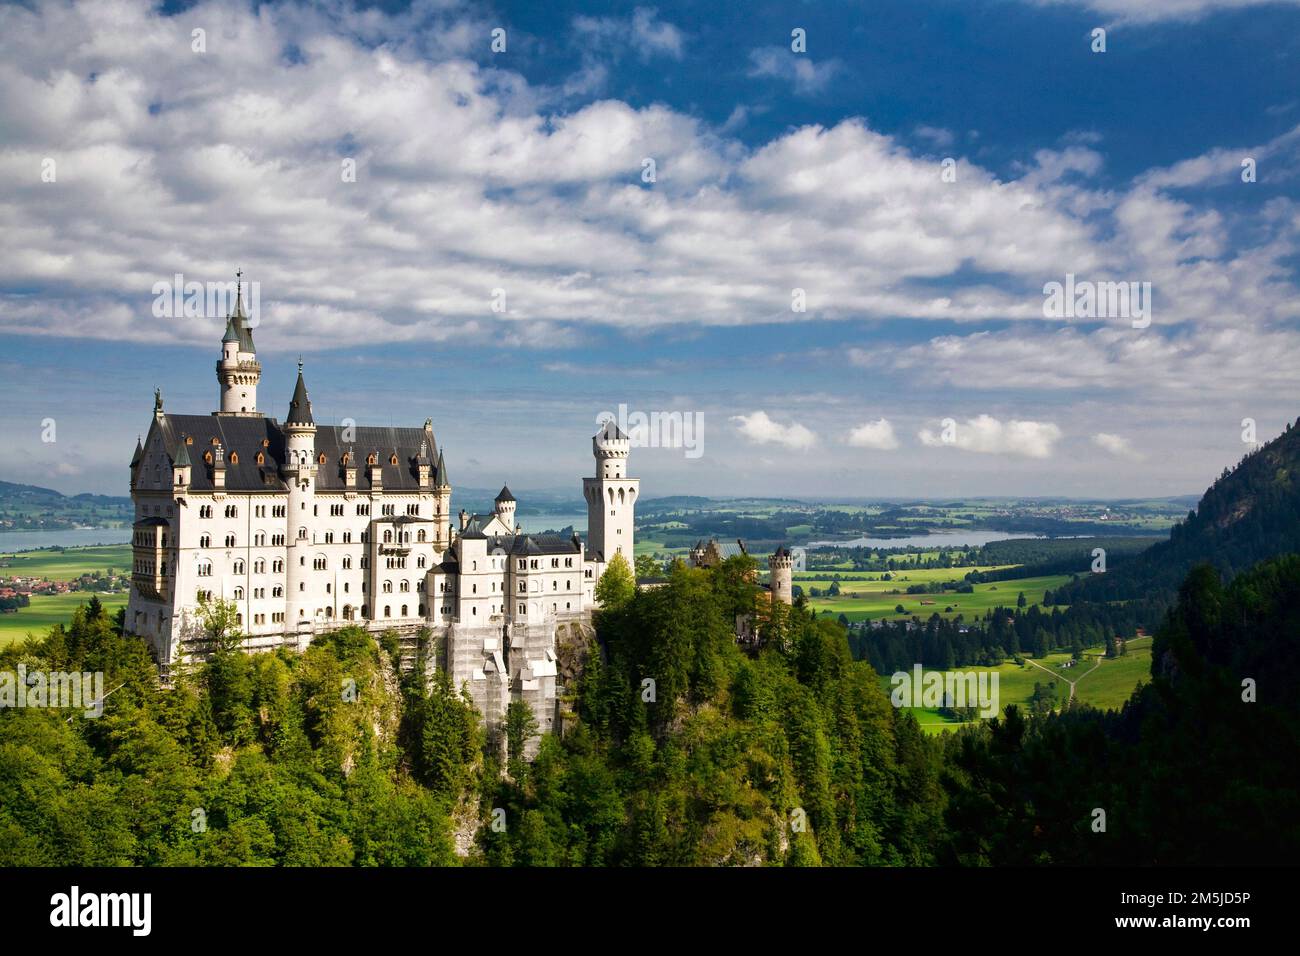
(242, 438)
(534, 544)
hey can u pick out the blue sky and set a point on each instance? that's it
(522, 171)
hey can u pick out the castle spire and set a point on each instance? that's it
(300, 404)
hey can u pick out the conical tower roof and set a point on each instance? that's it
(300, 405)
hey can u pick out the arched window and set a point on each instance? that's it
(234, 458)
(372, 459)
(239, 594)
(347, 612)
(388, 587)
(392, 460)
(388, 610)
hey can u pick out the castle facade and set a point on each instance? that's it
(305, 527)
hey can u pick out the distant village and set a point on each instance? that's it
(16, 590)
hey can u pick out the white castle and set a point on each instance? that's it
(308, 527)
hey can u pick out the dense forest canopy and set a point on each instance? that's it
(787, 754)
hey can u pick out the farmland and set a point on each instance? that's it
(1101, 683)
(867, 597)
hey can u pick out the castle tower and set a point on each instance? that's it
(611, 496)
(442, 504)
(238, 370)
(299, 473)
(781, 582)
(505, 509)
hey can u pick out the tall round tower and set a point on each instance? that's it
(611, 496)
(299, 473)
(781, 581)
(238, 370)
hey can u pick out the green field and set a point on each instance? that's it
(67, 564)
(870, 599)
(54, 609)
(1107, 686)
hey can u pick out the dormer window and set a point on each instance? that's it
(207, 456)
(392, 460)
(215, 442)
(321, 459)
(266, 443)
(372, 459)
(234, 458)
(189, 439)
(346, 459)
(261, 459)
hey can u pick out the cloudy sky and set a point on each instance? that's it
(836, 256)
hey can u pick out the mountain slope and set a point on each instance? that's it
(1251, 513)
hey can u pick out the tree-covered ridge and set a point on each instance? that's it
(1251, 513)
(272, 759)
(681, 747)
(1198, 768)
(690, 750)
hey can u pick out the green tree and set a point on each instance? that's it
(616, 586)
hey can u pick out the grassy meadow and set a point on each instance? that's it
(45, 611)
(66, 564)
(1104, 684)
(866, 597)
(59, 565)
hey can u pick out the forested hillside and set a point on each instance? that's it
(1251, 513)
(791, 754)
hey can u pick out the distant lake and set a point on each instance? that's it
(27, 540)
(935, 539)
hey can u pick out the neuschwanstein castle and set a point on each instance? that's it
(305, 527)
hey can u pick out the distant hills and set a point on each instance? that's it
(33, 508)
(1251, 513)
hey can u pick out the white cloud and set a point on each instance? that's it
(644, 32)
(1117, 445)
(1191, 361)
(169, 161)
(762, 430)
(939, 137)
(1150, 11)
(798, 69)
(878, 435)
(988, 435)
